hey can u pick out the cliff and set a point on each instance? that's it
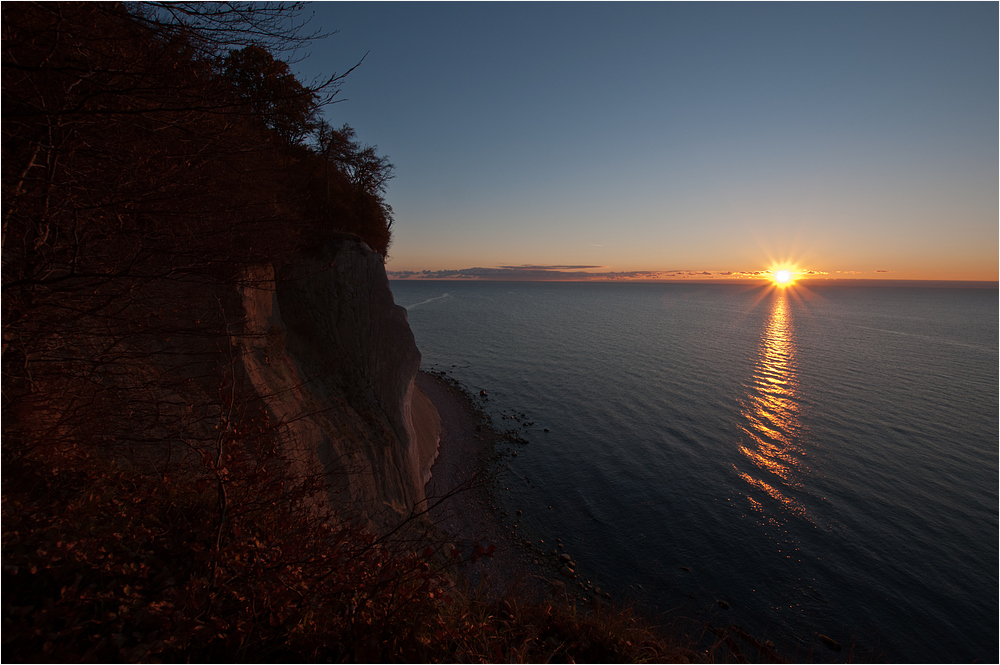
(334, 361)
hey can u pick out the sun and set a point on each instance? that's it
(783, 276)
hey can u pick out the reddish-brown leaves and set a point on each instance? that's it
(149, 563)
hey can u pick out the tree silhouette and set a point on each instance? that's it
(154, 156)
(271, 92)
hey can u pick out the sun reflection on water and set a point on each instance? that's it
(771, 412)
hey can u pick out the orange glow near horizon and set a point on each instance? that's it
(784, 274)
(779, 273)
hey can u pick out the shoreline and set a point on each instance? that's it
(469, 459)
(460, 495)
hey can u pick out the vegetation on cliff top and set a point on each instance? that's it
(152, 154)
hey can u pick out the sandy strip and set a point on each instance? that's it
(465, 453)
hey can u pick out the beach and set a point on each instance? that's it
(460, 496)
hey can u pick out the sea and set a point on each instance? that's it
(822, 459)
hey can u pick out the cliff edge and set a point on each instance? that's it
(333, 359)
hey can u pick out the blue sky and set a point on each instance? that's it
(649, 137)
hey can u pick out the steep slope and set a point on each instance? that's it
(334, 360)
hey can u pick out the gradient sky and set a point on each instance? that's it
(706, 137)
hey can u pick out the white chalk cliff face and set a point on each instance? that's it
(334, 360)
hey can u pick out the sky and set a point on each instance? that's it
(844, 140)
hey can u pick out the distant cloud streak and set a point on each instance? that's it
(535, 267)
(541, 273)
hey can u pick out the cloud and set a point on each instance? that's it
(512, 273)
(749, 274)
(587, 273)
(883, 271)
(543, 273)
(543, 267)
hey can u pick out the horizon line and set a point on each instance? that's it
(752, 281)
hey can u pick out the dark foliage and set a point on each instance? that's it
(143, 168)
(233, 563)
(152, 154)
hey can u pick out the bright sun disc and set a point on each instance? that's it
(782, 277)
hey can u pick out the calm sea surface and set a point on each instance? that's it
(823, 459)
